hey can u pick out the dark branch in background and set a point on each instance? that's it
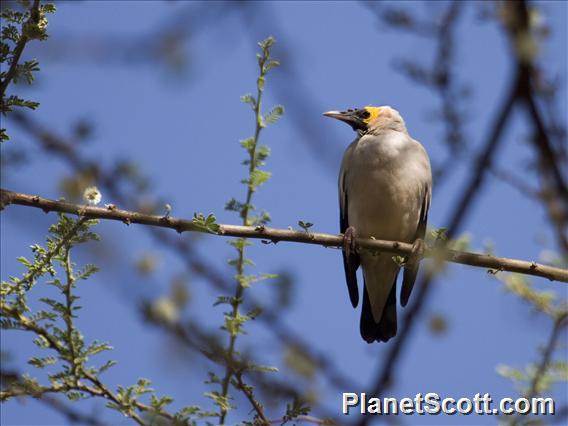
(440, 76)
(34, 18)
(550, 160)
(110, 182)
(274, 235)
(516, 182)
(517, 93)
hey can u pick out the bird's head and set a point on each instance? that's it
(370, 119)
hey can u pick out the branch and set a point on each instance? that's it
(257, 407)
(275, 235)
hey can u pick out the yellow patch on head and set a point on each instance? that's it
(374, 112)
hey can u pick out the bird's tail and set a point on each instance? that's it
(386, 327)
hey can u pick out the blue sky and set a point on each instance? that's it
(183, 127)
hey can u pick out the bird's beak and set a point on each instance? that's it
(349, 117)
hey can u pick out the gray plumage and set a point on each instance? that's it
(384, 192)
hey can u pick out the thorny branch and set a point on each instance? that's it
(275, 235)
(257, 407)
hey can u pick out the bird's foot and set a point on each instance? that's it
(417, 253)
(349, 237)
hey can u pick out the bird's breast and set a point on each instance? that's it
(385, 182)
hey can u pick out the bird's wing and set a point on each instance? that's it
(351, 262)
(412, 270)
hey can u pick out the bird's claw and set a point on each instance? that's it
(349, 237)
(417, 252)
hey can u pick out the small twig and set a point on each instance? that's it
(69, 317)
(274, 234)
(247, 390)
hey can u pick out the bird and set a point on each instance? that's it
(385, 190)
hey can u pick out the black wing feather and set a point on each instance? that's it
(351, 262)
(411, 272)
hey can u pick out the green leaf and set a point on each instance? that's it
(399, 260)
(263, 368)
(267, 43)
(106, 366)
(226, 300)
(249, 99)
(248, 144)
(274, 115)
(240, 243)
(305, 225)
(295, 409)
(258, 177)
(440, 234)
(206, 224)
(221, 401)
(247, 280)
(272, 63)
(159, 404)
(42, 362)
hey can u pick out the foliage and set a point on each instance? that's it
(32, 23)
(55, 330)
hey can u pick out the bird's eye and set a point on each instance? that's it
(364, 113)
